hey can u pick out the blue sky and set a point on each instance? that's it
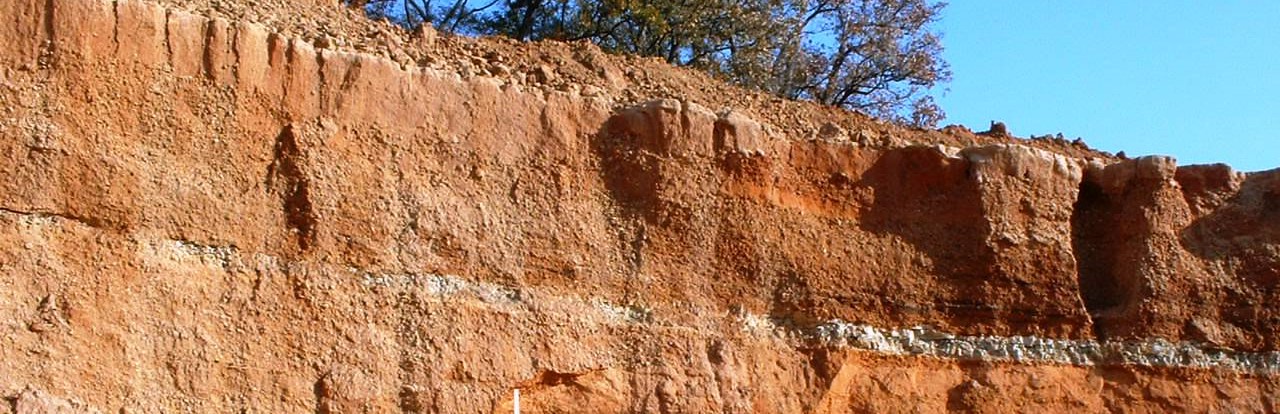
(1199, 80)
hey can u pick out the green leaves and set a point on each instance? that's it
(878, 56)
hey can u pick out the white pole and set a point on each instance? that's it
(517, 401)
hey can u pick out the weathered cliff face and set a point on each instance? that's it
(202, 214)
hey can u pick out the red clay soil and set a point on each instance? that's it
(277, 207)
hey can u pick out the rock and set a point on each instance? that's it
(998, 129)
(323, 42)
(31, 401)
(426, 35)
(544, 74)
(832, 132)
(347, 390)
(737, 133)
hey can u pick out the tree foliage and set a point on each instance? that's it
(879, 56)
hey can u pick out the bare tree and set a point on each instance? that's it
(449, 16)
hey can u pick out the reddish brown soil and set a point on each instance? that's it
(208, 215)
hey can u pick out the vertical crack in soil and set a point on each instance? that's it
(1095, 258)
(286, 179)
(321, 390)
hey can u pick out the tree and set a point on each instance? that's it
(879, 56)
(450, 16)
(882, 55)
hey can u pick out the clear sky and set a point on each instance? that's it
(1199, 80)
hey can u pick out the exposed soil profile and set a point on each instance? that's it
(277, 206)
